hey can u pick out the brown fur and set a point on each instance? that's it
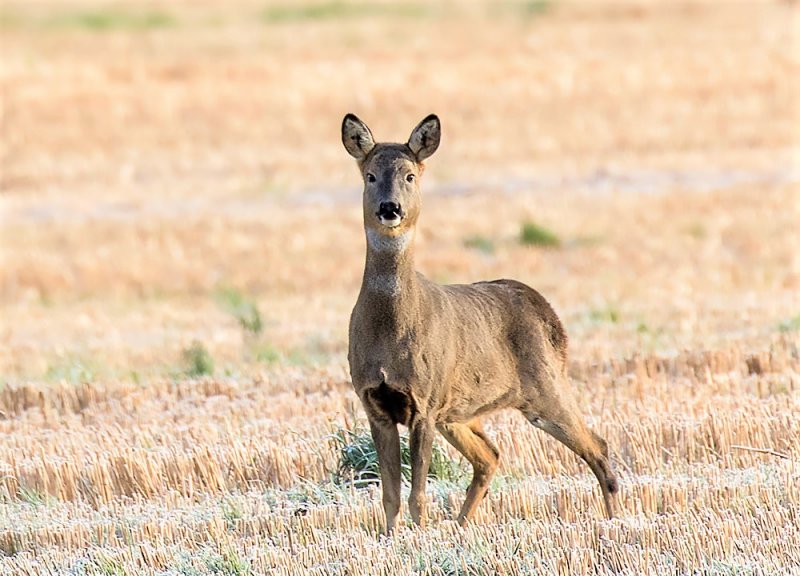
(441, 357)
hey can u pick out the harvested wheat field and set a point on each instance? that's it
(181, 246)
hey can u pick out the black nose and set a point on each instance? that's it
(389, 210)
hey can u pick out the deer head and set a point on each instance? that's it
(391, 173)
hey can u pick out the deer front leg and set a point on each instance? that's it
(420, 444)
(387, 444)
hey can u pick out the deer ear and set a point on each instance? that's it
(424, 139)
(356, 137)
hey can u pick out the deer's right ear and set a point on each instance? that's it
(356, 137)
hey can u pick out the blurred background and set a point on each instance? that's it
(176, 199)
(181, 244)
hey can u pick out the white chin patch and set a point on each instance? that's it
(389, 244)
(391, 222)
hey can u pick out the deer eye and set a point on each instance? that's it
(370, 177)
(410, 178)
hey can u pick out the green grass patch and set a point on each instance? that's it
(302, 357)
(358, 459)
(522, 11)
(314, 352)
(266, 353)
(90, 20)
(34, 497)
(532, 234)
(480, 243)
(790, 325)
(342, 11)
(231, 513)
(72, 369)
(227, 562)
(241, 307)
(104, 565)
(607, 314)
(197, 360)
(108, 20)
(534, 8)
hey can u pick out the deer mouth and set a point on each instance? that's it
(390, 214)
(390, 222)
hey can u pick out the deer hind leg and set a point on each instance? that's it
(568, 428)
(482, 454)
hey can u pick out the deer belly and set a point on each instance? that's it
(478, 396)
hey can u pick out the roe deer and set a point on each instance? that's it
(441, 357)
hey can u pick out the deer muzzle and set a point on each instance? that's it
(390, 214)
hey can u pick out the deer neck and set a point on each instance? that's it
(389, 276)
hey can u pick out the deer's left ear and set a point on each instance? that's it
(424, 139)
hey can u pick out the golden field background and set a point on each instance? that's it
(163, 163)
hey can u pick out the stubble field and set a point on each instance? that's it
(181, 245)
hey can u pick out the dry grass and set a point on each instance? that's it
(144, 475)
(172, 180)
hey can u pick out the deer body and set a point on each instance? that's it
(423, 344)
(435, 357)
